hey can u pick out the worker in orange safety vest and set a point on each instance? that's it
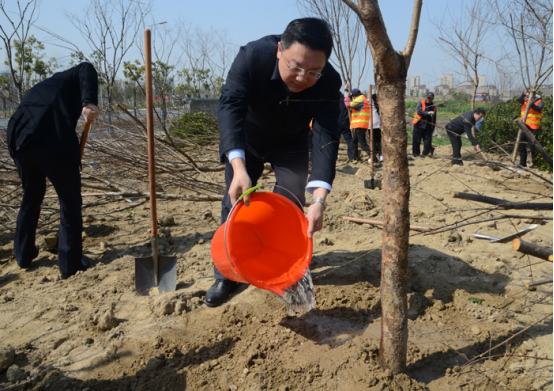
(532, 123)
(359, 122)
(424, 126)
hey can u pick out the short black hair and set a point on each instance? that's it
(479, 110)
(314, 33)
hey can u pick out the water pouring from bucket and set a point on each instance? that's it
(266, 245)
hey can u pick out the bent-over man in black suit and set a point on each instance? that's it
(275, 86)
(43, 143)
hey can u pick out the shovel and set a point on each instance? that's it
(155, 274)
(504, 239)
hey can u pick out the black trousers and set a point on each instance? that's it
(456, 141)
(347, 135)
(35, 162)
(289, 161)
(522, 149)
(377, 142)
(422, 134)
(360, 138)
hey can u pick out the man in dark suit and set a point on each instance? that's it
(43, 143)
(275, 86)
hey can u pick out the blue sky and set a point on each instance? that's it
(248, 20)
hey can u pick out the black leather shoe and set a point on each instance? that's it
(84, 266)
(219, 291)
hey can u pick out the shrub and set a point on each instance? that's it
(500, 127)
(199, 128)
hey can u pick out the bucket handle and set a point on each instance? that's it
(251, 190)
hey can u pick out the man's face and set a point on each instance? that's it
(429, 99)
(299, 56)
(478, 117)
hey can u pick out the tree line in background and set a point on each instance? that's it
(189, 62)
(513, 36)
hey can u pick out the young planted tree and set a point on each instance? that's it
(110, 28)
(391, 70)
(16, 26)
(31, 58)
(528, 25)
(350, 49)
(206, 58)
(463, 36)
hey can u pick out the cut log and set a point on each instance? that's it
(531, 285)
(377, 222)
(533, 249)
(502, 203)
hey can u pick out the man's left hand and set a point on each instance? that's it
(315, 218)
(90, 112)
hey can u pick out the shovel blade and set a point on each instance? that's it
(145, 275)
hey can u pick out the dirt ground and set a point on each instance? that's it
(92, 332)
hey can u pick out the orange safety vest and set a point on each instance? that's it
(311, 123)
(360, 118)
(418, 117)
(534, 117)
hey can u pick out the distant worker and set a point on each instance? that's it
(424, 125)
(275, 86)
(43, 143)
(344, 124)
(533, 123)
(457, 127)
(359, 122)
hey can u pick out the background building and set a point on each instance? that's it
(447, 80)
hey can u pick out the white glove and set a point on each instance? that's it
(430, 113)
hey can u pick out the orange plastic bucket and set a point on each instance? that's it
(266, 244)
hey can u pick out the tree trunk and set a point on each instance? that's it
(396, 188)
(391, 69)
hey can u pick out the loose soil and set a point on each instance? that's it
(92, 332)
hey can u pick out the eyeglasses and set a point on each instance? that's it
(300, 71)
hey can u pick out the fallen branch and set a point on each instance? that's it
(377, 222)
(487, 220)
(530, 285)
(502, 203)
(534, 141)
(509, 339)
(532, 249)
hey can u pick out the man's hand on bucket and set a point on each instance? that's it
(315, 212)
(240, 183)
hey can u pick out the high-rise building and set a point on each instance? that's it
(413, 81)
(447, 80)
(482, 80)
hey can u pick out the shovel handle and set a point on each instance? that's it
(150, 131)
(372, 156)
(84, 137)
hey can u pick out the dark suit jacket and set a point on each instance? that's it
(50, 110)
(256, 104)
